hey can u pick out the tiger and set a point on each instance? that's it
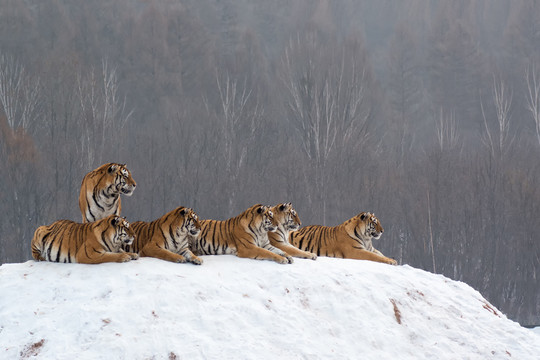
(244, 235)
(65, 241)
(168, 238)
(100, 191)
(352, 239)
(287, 221)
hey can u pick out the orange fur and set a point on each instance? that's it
(244, 235)
(168, 238)
(288, 221)
(100, 191)
(352, 239)
(91, 243)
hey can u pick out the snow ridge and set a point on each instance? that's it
(232, 308)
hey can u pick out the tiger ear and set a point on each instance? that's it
(183, 212)
(112, 168)
(363, 216)
(282, 207)
(115, 221)
(260, 209)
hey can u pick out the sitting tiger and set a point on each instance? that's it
(100, 191)
(287, 221)
(167, 238)
(92, 243)
(244, 236)
(352, 239)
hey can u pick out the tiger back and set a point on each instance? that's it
(100, 191)
(287, 220)
(352, 239)
(168, 238)
(66, 241)
(242, 235)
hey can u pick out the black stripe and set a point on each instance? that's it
(96, 202)
(104, 240)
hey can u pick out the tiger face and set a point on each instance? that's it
(122, 234)
(365, 226)
(268, 222)
(123, 181)
(287, 217)
(187, 223)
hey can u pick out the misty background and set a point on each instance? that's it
(426, 113)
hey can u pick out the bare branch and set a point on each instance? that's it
(500, 142)
(447, 131)
(19, 94)
(533, 99)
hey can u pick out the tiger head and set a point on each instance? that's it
(187, 222)
(121, 232)
(364, 226)
(121, 176)
(286, 216)
(265, 217)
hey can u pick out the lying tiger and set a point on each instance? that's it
(167, 238)
(244, 236)
(92, 243)
(287, 221)
(352, 239)
(100, 191)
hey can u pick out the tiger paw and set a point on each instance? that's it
(282, 260)
(124, 257)
(391, 261)
(312, 256)
(289, 259)
(181, 260)
(195, 260)
(133, 256)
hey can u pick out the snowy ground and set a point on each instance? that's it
(232, 308)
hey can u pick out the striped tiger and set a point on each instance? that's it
(98, 242)
(352, 239)
(168, 238)
(287, 220)
(244, 236)
(100, 191)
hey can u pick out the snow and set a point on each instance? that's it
(233, 308)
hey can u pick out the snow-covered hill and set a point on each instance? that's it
(232, 308)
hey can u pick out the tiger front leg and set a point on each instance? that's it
(389, 260)
(255, 252)
(293, 251)
(361, 254)
(279, 252)
(133, 256)
(192, 258)
(91, 255)
(153, 250)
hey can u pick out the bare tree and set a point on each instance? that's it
(447, 131)
(404, 89)
(499, 141)
(19, 94)
(327, 99)
(239, 115)
(533, 99)
(20, 100)
(103, 113)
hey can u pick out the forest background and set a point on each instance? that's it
(426, 113)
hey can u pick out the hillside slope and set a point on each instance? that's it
(232, 308)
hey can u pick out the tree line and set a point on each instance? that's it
(426, 113)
